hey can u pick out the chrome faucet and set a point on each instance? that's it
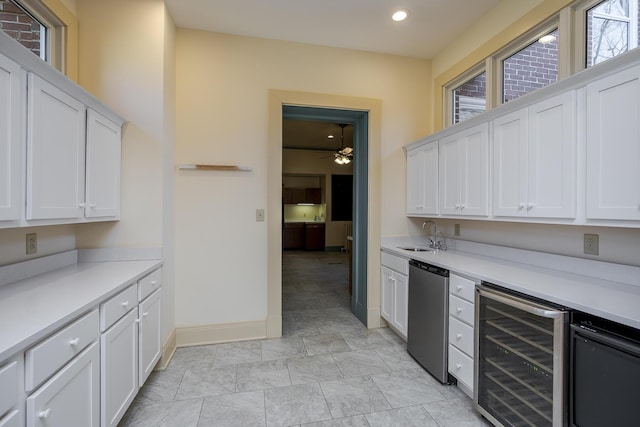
(435, 243)
(435, 231)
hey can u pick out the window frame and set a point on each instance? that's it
(456, 83)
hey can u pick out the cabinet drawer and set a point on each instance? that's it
(8, 387)
(149, 283)
(462, 287)
(461, 366)
(399, 264)
(11, 420)
(461, 309)
(461, 335)
(46, 358)
(117, 307)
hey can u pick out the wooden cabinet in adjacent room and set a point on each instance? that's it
(293, 236)
(292, 196)
(314, 236)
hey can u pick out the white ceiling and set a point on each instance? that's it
(353, 24)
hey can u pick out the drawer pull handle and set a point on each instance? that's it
(74, 342)
(125, 304)
(153, 282)
(44, 414)
(145, 314)
(458, 336)
(458, 366)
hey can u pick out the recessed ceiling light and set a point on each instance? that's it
(330, 136)
(400, 15)
(549, 38)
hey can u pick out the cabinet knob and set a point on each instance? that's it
(462, 206)
(154, 282)
(521, 206)
(458, 206)
(125, 304)
(82, 205)
(458, 288)
(458, 310)
(530, 206)
(458, 336)
(74, 342)
(44, 414)
(458, 366)
(92, 205)
(137, 320)
(145, 314)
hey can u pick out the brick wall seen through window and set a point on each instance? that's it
(469, 98)
(21, 26)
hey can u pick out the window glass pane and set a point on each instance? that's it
(17, 23)
(469, 98)
(609, 25)
(531, 68)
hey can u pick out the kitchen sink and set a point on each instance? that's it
(416, 248)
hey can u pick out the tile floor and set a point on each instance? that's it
(326, 370)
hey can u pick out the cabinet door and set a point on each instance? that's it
(613, 146)
(71, 397)
(474, 182)
(387, 294)
(103, 167)
(55, 153)
(510, 164)
(11, 170)
(449, 164)
(552, 158)
(422, 179)
(149, 340)
(401, 303)
(119, 369)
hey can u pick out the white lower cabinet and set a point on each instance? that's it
(130, 345)
(119, 368)
(461, 332)
(149, 330)
(11, 393)
(11, 420)
(395, 292)
(71, 397)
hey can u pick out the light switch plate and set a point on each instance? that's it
(591, 244)
(259, 214)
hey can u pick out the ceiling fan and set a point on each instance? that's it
(344, 155)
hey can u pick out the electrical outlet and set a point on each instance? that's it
(259, 214)
(591, 243)
(32, 243)
(456, 229)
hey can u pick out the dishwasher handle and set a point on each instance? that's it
(519, 303)
(430, 268)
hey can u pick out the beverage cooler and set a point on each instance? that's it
(520, 372)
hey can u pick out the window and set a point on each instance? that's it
(611, 29)
(531, 68)
(23, 27)
(469, 99)
(36, 28)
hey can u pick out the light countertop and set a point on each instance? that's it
(614, 300)
(33, 308)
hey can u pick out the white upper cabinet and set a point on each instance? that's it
(464, 172)
(534, 160)
(55, 153)
(613, 146)
(422, 179)
(103, 166)
(11, 170)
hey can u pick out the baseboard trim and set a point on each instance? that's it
(214, 334)
(168, 350)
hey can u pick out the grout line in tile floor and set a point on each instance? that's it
(338, 373)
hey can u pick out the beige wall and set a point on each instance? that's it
(126, 59)
(222, 94)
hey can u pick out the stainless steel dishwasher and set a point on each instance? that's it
(427, 326)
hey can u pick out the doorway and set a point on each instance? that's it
(365, 114)
(359, 120)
